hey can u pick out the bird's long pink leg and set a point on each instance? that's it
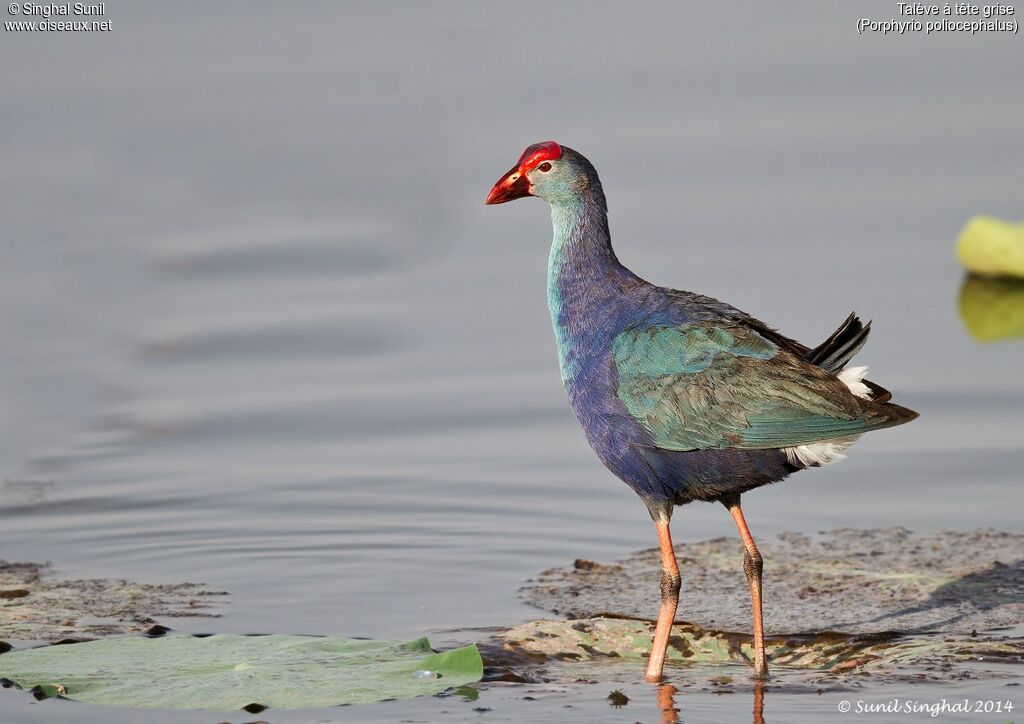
(669, 602)
(753, 565)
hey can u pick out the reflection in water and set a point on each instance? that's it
(667, 704)
(992, 308)
(758, 702)
(670, 712)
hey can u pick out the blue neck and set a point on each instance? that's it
(583, 276)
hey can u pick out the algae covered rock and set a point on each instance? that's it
(36, 605)
(886, 603)
(854, 581)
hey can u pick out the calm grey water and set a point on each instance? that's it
(260, 331)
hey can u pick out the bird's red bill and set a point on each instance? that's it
(513, 185)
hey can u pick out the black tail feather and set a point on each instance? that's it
(834, 353)
(842, 345)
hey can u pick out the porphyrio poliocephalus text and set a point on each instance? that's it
(682, 396)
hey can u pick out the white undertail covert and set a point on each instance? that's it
(823, 453)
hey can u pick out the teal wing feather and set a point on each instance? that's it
(705, 386)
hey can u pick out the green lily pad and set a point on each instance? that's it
(178, 671)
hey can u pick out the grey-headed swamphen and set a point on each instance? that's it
(682, 396)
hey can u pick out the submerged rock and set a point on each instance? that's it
(825, 661)
(35, 606)
(795, 658)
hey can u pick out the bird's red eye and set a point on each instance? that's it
(545, 167)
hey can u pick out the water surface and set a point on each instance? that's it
(260, 330)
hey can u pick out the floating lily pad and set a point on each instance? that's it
(178, 671)
(34, 605)
(992, 247)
